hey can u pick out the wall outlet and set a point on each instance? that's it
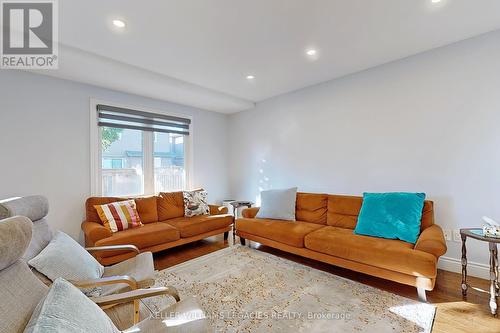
(456, 235)
(447, 234)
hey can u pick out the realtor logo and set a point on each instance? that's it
(29, 34)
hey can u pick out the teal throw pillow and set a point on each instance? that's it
(391, 215)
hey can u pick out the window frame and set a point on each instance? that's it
(148, 149)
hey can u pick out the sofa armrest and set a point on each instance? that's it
(217, 210)
(432, 241)
(94, 231)
(250, 213)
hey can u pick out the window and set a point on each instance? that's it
(138, 152)
(157, 162)
(116, 163)
(169, 171)
(120, 178)
(112, 163)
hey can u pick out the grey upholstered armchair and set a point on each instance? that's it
(26, 302)
(129, 275)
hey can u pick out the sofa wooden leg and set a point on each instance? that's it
(226, 235)
(242, 240)
(421, 295)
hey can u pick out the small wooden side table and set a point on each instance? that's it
(476, 233)
(236, 205)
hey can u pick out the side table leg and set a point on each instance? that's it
(493, 278)
(464, 267)
(234, 231)
(234, 225)
(497, 277)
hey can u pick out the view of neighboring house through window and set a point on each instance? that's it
(112, 163)
(122, 162)
(141, 161)
(169, 169)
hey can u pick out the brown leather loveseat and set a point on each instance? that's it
(324, 231)
(164, 225)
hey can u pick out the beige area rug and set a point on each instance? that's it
(245, 290)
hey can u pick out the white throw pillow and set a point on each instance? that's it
(195, 203)
(66, 309)
(64, 257)
(278, 204)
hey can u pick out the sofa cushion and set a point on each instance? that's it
(148, 235)
(395, 215)
(147, 209)
(196, 225)
(343, 210)
(64, 257)
(290, 233)
(170, 205)
(389, 254)
(66, 309)
(278, 204)
(91, 214)
(311, 207)
(195, 203)
(119, 216)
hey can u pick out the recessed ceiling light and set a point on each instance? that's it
(119, 23)
(435, 1)
(250, 77)
(311, 52)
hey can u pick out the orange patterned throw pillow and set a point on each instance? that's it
(118, 216)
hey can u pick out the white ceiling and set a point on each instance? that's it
(216, 43)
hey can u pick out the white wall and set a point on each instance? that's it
(44, 138)
(427, 123)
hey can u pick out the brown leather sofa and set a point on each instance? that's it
(324, 231)
(164, 225)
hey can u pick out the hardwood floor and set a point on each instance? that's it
(453, 313)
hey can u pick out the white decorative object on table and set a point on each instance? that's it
(491, 228)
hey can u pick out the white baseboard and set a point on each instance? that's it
(473, 268)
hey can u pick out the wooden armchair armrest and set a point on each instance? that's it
(217, 210)
(134, 295)
(129, 248)
(104, 281)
